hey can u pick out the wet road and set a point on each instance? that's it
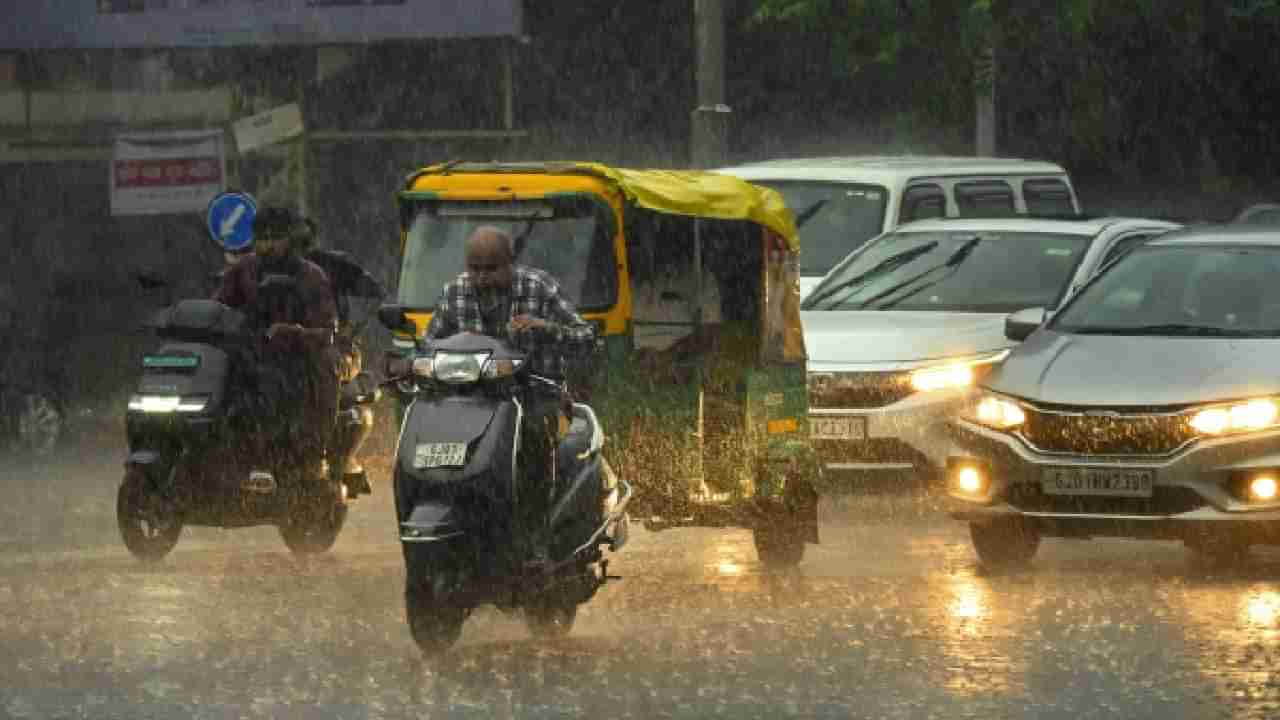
(889, 618)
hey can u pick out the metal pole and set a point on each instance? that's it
(508, 86)
(710, 120)
(985, 102)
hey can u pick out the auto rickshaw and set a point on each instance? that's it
(691, 281)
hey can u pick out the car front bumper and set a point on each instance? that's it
(910, 435)
(1191, 489)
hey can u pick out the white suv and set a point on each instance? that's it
(899, 332)
(841, 202)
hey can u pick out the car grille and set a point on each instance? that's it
(858, 390)
(1163, 501)
(874, 450)
(1084, 433)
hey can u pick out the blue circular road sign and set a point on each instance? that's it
(229, 220)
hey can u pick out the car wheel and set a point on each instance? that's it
(1006, 542)
(550, 617)
(434, 624)
(1218, 549)
(778, 547)
(149, 530)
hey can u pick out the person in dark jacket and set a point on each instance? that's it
(289, 299)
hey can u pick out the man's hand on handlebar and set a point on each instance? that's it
(523, 323)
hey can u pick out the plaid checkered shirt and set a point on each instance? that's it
(533, 292)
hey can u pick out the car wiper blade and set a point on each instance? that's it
(957, 258)
(808, 213)
(1171, 329)
(886, 265)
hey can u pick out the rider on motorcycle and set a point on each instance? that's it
(297, 353)
(524, 307)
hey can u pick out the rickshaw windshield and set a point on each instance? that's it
(570, 241)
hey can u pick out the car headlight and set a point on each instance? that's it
(957, 373)
(1242, 417)
(999, 413)
(168, 403)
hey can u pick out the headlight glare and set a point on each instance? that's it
(1242, 417)
(999, 413)
(158, 404)
(956, 374)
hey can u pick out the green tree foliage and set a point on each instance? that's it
(1145, 86)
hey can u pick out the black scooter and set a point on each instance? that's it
(192, 436)
(458, 495)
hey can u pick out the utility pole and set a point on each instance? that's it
(984, 89)
(709, 137)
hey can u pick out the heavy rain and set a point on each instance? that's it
(665, 359)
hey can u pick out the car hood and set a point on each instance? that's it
(1101, 370)
(838, 340)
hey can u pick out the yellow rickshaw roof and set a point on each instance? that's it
(693, 193)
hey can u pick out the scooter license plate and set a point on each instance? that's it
(433, 455)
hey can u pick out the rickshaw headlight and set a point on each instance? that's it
(457, 368)
(956, 374)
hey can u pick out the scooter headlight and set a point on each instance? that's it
(155, 404)
(456, 368)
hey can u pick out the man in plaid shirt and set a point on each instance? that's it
(521, 305)
(524, 307)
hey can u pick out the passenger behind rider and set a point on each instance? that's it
(297, 365)
(346, 279)
(525, 307)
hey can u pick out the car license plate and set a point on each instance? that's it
(838, 428)
(1113, 482)
(433, 455)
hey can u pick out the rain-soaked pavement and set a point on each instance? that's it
(889, 618)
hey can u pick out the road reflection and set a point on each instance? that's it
(980, 632)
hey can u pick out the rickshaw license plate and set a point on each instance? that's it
(433, 455)
(838, 428)
(1111, 482)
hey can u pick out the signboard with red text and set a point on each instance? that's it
(174, 171)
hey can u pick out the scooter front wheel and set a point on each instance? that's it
(550, 618)
(434, 625)
(148, 528)
(314, 533)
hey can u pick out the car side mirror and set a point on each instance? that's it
(393, 318)
(1020, 325)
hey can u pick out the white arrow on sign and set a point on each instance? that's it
(229, 222)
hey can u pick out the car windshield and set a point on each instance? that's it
(571, 244)
(1182, 291)
(834, 219)
(956, 271)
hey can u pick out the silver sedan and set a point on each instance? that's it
(1147, 407)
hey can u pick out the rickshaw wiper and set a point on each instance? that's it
(953, 263)
(888, 264)
(808, 213)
